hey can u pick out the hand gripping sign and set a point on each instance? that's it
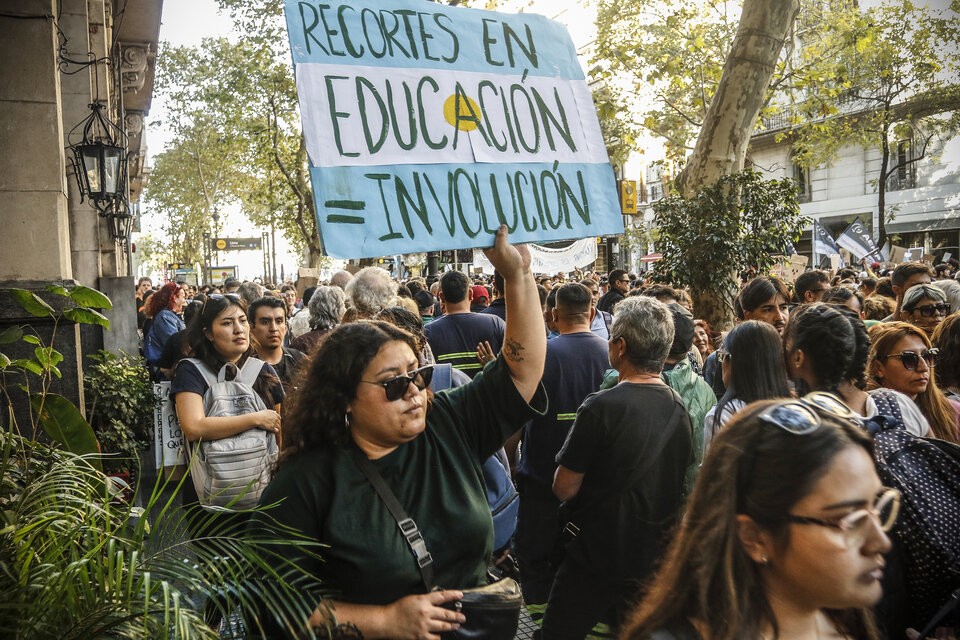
(428, 126)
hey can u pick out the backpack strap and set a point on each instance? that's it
(442, 377)
(250, 372)
(208, 376)
(888, 405)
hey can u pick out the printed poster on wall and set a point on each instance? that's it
(428, 126)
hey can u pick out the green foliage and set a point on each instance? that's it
(120, 406)
(54, 414)
(252, 153)
(78, 562)
(739, 223)
(671, 56)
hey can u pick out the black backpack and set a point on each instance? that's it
(926, 471)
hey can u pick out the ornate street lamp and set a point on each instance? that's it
(119, 219)
(100, 166)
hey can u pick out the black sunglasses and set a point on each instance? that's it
(396, 387)
(929, 310)
(910, 359)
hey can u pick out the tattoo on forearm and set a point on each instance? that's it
(513, 350)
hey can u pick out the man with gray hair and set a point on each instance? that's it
(621, 476)
(326, 308)
(371, 291)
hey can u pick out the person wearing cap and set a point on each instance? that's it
(480, 299)
(455, 336)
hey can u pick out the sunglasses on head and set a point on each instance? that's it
(910, 359)
(930, 310)
(397, 386)
(801, 416)
(220, 296)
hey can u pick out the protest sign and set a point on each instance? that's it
(546, 260)
(428, 126)
(168, 437)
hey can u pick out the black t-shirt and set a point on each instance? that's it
(289, 365)
(622, 532)
(609, 300)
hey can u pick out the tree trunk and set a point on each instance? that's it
(882, 188)
(721, 147)
(722, 144)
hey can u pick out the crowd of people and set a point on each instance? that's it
(675, 481)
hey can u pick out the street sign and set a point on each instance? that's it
(237, 244)
(628, 197)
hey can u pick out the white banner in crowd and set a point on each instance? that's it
(547, 260)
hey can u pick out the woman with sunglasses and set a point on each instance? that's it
(364, 398)
(924, 306)
(751, 364)
(901, 358)
(783, 537)
(826, 348)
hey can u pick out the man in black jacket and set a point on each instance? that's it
(619, 285)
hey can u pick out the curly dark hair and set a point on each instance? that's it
(317, 417)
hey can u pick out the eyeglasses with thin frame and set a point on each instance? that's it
(930, 310)
(397, 386)
(856, 524)
(911, 359)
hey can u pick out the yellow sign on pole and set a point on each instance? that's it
(628, 197)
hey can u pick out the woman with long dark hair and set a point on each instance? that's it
(783, 537)
(751, 363)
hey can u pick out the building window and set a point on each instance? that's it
(904, 174)
(801, 176)
(656, 192)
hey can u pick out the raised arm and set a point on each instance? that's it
(524, 341)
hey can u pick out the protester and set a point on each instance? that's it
(905, 276)
(752, 367)
(946, 338)
(498, 305)
(299, 323)
(924, 306)
(370, 291)
(326, 309)
(902, 359)
(702, 339)
(425, 305)
(810, 286)
(218, 336)
(619, 286)
(826, 349)
(364, 396)
(620, 474)
(268, 329)
(480, 299)
(454, 337)
(876, 308)
(844, 295)
(288, 293)
(164, 314)
(575, 363)
(764, 298)
(602, 319)
(784, 535)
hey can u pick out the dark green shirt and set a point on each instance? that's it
(436, 477)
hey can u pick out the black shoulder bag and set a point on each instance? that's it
(492, 611)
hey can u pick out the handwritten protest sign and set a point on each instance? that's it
(428, 126)
(168, 438)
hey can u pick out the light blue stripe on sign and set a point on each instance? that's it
(384, 210)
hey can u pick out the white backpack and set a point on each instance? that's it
(232, 472)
